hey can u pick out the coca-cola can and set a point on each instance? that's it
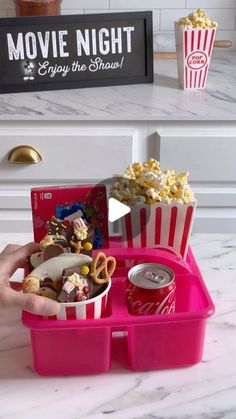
(151, 289)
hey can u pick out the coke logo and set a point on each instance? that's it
(197, 60)
(139, 307)
(167, 306)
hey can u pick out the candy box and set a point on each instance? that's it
(159, 226)
(194, 49)
(62, 201)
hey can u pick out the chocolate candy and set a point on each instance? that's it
(35, 260)
(54, 250)
(75, 286)
(59, 227)
(48, 293)
(68, 293)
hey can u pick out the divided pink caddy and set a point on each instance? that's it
(70, 347)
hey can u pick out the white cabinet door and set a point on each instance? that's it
(72, 153)
(208, 154)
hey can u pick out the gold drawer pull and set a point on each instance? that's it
(24, 154)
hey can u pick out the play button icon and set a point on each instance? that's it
(116, 210)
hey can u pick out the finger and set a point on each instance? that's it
(29, 302)
(10, 248)
(10, 262)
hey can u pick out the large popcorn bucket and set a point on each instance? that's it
(193, 49)
(94, 308)
(159, 226)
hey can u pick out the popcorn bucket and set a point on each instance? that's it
(159, 226)
(88, 309)
(193, 49)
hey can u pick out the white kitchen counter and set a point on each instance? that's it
(206, 390)
(160, 101)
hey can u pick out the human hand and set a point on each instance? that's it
(14, 257)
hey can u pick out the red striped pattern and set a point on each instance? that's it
(185, 43)
(103, 306)
(70, 313)
(90, 311)
(205, 75)
(200, 78)
(172, 226)
(211, 42)
(158, 226)
(205, 40)
(187, 224)
(199, 39)
(192, 41)
(128, 226)
(143, 227)
(199, 42)
(168, 227)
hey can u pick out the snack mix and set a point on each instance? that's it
(64, 270)
(147, 184)
(197, 20)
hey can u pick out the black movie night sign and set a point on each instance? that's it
(61, 52)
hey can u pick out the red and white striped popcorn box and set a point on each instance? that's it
(159, 226)
(193, 49)
(93, 308)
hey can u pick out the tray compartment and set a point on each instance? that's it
(71, 351)
(165, 345)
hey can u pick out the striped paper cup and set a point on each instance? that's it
(193, 49)
(159, 226)
(89, 309)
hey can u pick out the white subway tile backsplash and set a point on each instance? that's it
(72, 12)
(156, 19)
(156, 14)
(85, 4)
(11, 12)
(6, 4)
(214, 4)
(225, 18)
(227, 35)
(3, 13)
(146, 4)
(164, 13)
(169, 16)
(165, 41)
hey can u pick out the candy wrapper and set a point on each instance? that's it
(194, 37)
(168, 227)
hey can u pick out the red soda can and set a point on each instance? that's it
(151, 289)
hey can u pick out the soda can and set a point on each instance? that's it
(151, 289)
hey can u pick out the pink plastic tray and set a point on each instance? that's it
(69, 347)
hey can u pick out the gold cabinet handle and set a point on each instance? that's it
(24, 154)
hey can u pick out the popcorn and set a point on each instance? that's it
(152, 180)
(197, 20)
(147, 184)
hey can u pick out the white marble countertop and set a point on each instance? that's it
(160, 101)
(206, 390)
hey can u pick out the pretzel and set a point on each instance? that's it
(102, 268)
(77, 245)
